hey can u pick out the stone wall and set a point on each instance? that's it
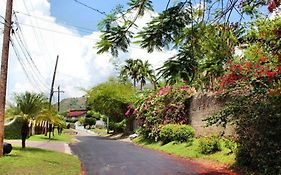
(203, 106)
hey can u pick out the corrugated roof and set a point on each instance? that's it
(76, 113)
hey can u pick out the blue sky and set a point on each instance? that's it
(71, 12)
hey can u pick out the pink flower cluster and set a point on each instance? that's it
(164, 90)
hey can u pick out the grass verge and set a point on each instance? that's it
(100, 132)
(33, 161)
(66, 136)
(189, 150)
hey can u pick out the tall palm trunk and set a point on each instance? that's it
(24, 133)
(141, 86)
(135, 82)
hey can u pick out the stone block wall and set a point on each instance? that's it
(203, 106)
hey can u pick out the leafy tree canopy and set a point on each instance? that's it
(203, 32)
(110, 98)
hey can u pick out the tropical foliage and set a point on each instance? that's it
(169, 104)
(253, 83)
(138, 71)
(111, 99)
(32, 107)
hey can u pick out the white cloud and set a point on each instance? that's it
(79, 65)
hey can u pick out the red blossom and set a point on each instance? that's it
(278, 69)
(128, 112)
(135, 112)
(271, 6)
(248, 64)
(262, 59)
(184, 88)
(270, 74)
(258, 66)
(239, 67)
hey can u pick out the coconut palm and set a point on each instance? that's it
(138, 70)
(131, 70)
(146, 73)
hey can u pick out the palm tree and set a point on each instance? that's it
(146, 73)
(138, 70)
(28, 106)
(52, 117)
(132, 70)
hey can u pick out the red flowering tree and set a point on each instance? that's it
(254, 84)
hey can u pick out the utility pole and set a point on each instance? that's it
(49, 125)
(59, 91)
(4, 68)
(53, 82)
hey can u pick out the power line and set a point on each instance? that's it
(32, 81)
(36, 34)
(60, 32)
(86, 30)
(34, 74)
(89, 7)
(26, 47)
(21, 42)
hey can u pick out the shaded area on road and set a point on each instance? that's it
(49, 145)
(102, 156)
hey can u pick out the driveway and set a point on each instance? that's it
(101, 156)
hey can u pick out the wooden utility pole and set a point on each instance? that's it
(51, 94)
(53, 82)
(4, 68)
(59, 91)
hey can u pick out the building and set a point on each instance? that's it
(76, 114)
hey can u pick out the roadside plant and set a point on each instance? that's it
(231, 145)
(176, 132)
(28, 106)
(209, 145)
(253, 83)
(168, 105)
(110, 99)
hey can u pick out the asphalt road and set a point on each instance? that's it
(102, 156)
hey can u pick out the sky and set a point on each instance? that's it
(47, 28)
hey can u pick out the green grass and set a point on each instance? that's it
(34, 161)
(100, 132)
(188, 150)
(65, 137)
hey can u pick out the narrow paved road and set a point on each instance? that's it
(101, 156)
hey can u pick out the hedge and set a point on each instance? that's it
(13, 130)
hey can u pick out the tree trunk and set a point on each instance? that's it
(141, 86)
(46, 128)
(53, 130)
(24, 133)
(135, 84)
(50, 130)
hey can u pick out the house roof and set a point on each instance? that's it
(76, 113)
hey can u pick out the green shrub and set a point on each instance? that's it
(184, 133)
(209, 145)
(176, 132)
(231, 145)
(90, 121)
(72, 120)
(13, 130)
(167, 133)
(169, 104)
(118, 127)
